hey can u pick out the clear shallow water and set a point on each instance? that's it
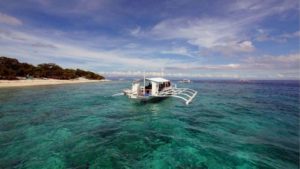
(229, 125)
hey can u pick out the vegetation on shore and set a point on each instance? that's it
(11, 68)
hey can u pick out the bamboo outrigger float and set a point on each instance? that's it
(158, 88)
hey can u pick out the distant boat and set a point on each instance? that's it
(185, 81)
(157, 89)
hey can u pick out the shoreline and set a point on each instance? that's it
(43, 82)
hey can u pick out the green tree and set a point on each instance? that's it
(69, 74)
(50, 70)
(11, 68)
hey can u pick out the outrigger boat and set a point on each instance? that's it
(158, 88)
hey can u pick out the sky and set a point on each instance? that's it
(242, 39)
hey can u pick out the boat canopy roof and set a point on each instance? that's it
(158, 79)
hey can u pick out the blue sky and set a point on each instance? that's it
(201, 39)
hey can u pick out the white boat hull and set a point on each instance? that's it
(182, 93)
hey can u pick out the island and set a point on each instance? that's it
(14, 73)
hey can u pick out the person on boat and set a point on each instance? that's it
(148, 88)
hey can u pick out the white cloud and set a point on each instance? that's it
(228, 34)
(182, 67)
(139, 74)
(265, 36)
(231, 66)
(179, 51)
(9, 20)
(131, 45)
(246, 5)
(23, 44)
(259, 67)
(222, 35)
(136, 31)
(291, 35)
(260, 9)
(200, 32)
(246, 46)
(287, 62)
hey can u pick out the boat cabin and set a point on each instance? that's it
(153, 86)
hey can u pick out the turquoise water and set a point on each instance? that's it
(229, 125)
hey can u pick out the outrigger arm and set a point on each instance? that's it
(185, 94)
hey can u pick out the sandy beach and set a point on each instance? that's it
(40, 82)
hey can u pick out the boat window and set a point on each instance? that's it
(149, 85)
